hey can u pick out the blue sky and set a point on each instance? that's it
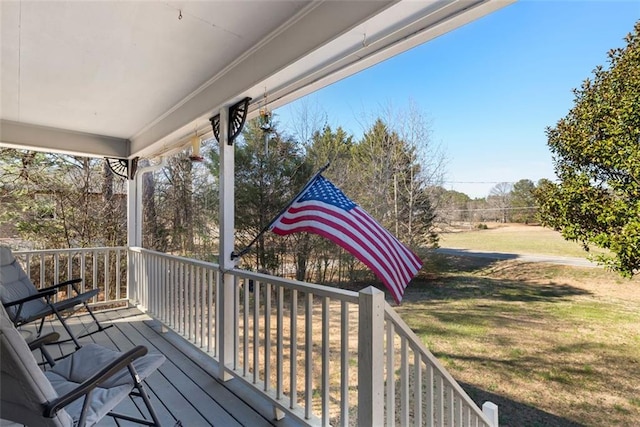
(490, 88)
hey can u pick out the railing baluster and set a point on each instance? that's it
(325, 361)
(308, 355)
(451, 405)
(178, 285)
(56, 270)
(117, 281)
(390, 376)
(42, 270)
(189, 303)
(175, 310)
(404, 382)
(28, 266)
(70, 266)
(439, 401)
(429, 392)
(236, 321)
(267, 336)
(196, 306)
(245, 327)
(417, 388)
(344, 364)
(210, 308)
(203, 308)
(216, 332)
(94, 265)
(83, 266)
(166, 290)
(279, 341)
(256, 330)
(106, 276)
(293, 352)
(151, 287)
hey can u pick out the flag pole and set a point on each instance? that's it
(235, 255)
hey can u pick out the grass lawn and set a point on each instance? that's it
(551, 345)
(518, 239)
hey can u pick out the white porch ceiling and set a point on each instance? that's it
(137, 78)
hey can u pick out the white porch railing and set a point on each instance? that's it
(323, 355)
(99, 268)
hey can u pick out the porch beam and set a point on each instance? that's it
(42, 138)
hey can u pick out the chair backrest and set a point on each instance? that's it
(25, 389)
(14, 284)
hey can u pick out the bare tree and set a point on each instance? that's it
(500, 199)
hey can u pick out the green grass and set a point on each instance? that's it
(518, 240)
(544, 342)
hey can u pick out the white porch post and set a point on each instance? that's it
(225, 301)
(371, 357)
(134, 223)
(490, 409)
(132, 234)
(132, 213)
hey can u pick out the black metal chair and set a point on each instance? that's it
(25, 303)
(79, 390)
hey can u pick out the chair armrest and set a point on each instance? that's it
(47, 293)
(61, 284)
(83, 389)
(39, 344)
(44, 340)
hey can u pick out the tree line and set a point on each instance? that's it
(55, 201)
(506, 202)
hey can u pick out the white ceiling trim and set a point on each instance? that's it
(42, 138)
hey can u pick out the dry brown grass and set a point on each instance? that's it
(551, 345)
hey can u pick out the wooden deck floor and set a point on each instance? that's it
(185, 388)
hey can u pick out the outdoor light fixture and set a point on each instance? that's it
(195, 149)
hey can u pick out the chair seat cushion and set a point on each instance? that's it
(85, 362)
(102, 399)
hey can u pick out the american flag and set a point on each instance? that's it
(323, 209)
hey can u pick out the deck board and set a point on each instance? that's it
(192, 404)
(185, 387)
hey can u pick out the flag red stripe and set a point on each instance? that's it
(365, 235)
(410, 261)
(326, 215)
(396, 292)
(331, 220)
(347, 240)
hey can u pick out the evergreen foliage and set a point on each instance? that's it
(596, 150)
